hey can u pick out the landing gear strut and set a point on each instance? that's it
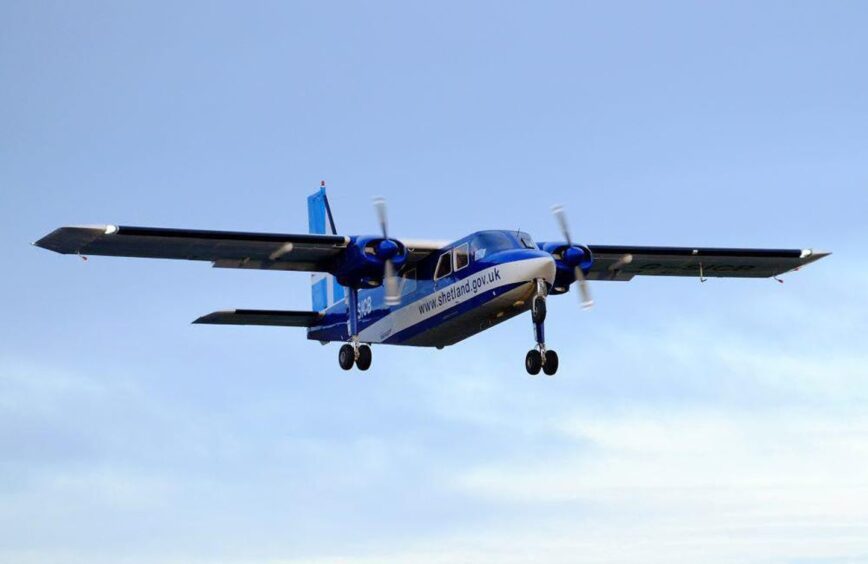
(539, 358)
(354, 352)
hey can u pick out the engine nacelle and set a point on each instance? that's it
(567, 258)
(364, 262)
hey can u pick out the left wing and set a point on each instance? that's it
(225, 249)
(624, 262)
(270, 317)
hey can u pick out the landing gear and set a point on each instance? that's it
(359, 355)
(539, 358)
(550, 366)
(363, 362)
(346, 357)
(533, 362)
(538, 309)
(353, 352)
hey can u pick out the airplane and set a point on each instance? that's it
(375, 289)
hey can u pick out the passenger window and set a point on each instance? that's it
(461, 256)
(408, 282)
(444, 266)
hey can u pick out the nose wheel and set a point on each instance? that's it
(539, 358)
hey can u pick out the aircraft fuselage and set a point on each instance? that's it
(485, 285)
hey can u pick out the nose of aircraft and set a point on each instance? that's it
(526, 265)
(540, 264)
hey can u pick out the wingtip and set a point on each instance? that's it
(45, 242)
(811, 255)
(73, 239)
(210, 318)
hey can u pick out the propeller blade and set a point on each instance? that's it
(584, 291)
(390, 281)
(380, 206)
(561, 216)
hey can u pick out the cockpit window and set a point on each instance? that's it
(526, 241)
(461, 254)
(444, 266)
(489, 242)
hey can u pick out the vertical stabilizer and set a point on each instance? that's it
(319, 214)
(325, 290)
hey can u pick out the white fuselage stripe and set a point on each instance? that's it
(444, 299)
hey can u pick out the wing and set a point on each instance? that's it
(274, 318)
(624, 262)
(225, 249)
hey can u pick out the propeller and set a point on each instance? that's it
(574, 255)
(387, 249)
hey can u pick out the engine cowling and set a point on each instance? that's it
(567, 258)
(363, 264)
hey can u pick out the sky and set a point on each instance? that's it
(717, 422)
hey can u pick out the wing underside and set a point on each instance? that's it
(225, 249)
(268, 317)
(624, 262)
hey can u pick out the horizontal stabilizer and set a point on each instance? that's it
(275, 318)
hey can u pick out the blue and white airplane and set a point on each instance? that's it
(374, 289)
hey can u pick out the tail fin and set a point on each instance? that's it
(325, 290)
(319, 214)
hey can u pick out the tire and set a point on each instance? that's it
(551, 363)
(538, 310)
(533, 362)
(364, 360)
(346, 357)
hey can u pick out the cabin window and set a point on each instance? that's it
(408, 282)
(461, 256)
(444, 266)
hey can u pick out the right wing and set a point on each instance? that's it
(225, 249)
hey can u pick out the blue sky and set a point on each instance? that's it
(722, 422)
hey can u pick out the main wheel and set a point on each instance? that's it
(364, 360)
(538, 309)
(533, 362)
(551, 364)
(346, 357)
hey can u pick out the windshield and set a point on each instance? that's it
(489, 242)
(526, 240)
